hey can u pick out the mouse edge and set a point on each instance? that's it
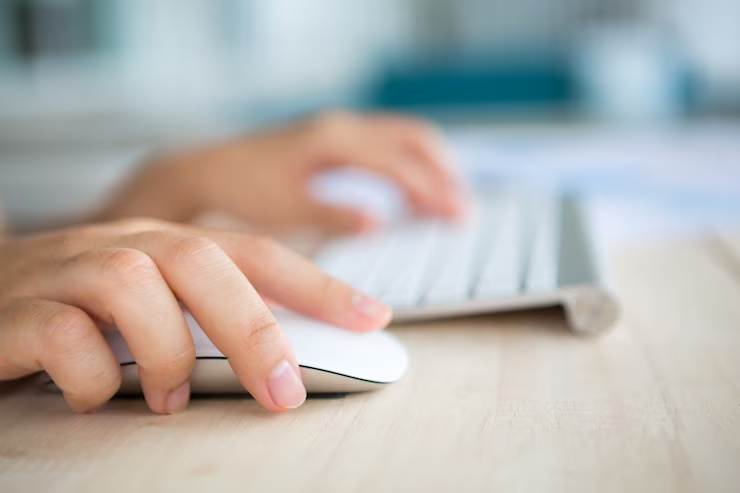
(213, 375)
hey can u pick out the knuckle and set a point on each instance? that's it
(334, 295)
(65, 327)
(263, 332)
(66, 334)
(333, 288)
(106, 380)
(195, 247)
(174, 362)
(128, 266)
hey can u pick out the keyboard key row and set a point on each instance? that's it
(509, 246)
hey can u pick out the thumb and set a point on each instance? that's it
(339, 219)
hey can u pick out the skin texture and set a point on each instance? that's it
(59, 290)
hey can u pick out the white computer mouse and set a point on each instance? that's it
(332, 360)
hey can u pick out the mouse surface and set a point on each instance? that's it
(332, 360)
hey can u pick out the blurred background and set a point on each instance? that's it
(89, 86)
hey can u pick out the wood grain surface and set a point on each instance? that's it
(498, 403)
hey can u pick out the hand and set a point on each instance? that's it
(263, 178)
(57, 290)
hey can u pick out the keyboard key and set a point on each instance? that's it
(410, 271)
(543, 264)
(510, 246)
(350, 259)
(453, 263)
(502, 269)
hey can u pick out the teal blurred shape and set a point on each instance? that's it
(506, 81)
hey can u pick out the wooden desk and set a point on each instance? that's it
(503, 403)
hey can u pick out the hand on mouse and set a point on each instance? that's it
(263, 177)
(57, 290)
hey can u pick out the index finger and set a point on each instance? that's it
(230, 312)
(296, 283)
(402, 152)
(429, 148)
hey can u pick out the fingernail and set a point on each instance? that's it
(286, 387)
(178, 399)
(369, 307)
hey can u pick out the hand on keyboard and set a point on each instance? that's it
(514, 251)
(264, 178)
(508, 246)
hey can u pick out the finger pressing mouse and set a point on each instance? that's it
(58, 289)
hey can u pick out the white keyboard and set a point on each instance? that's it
(515, 251)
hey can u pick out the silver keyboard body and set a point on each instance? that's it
(516, 251)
